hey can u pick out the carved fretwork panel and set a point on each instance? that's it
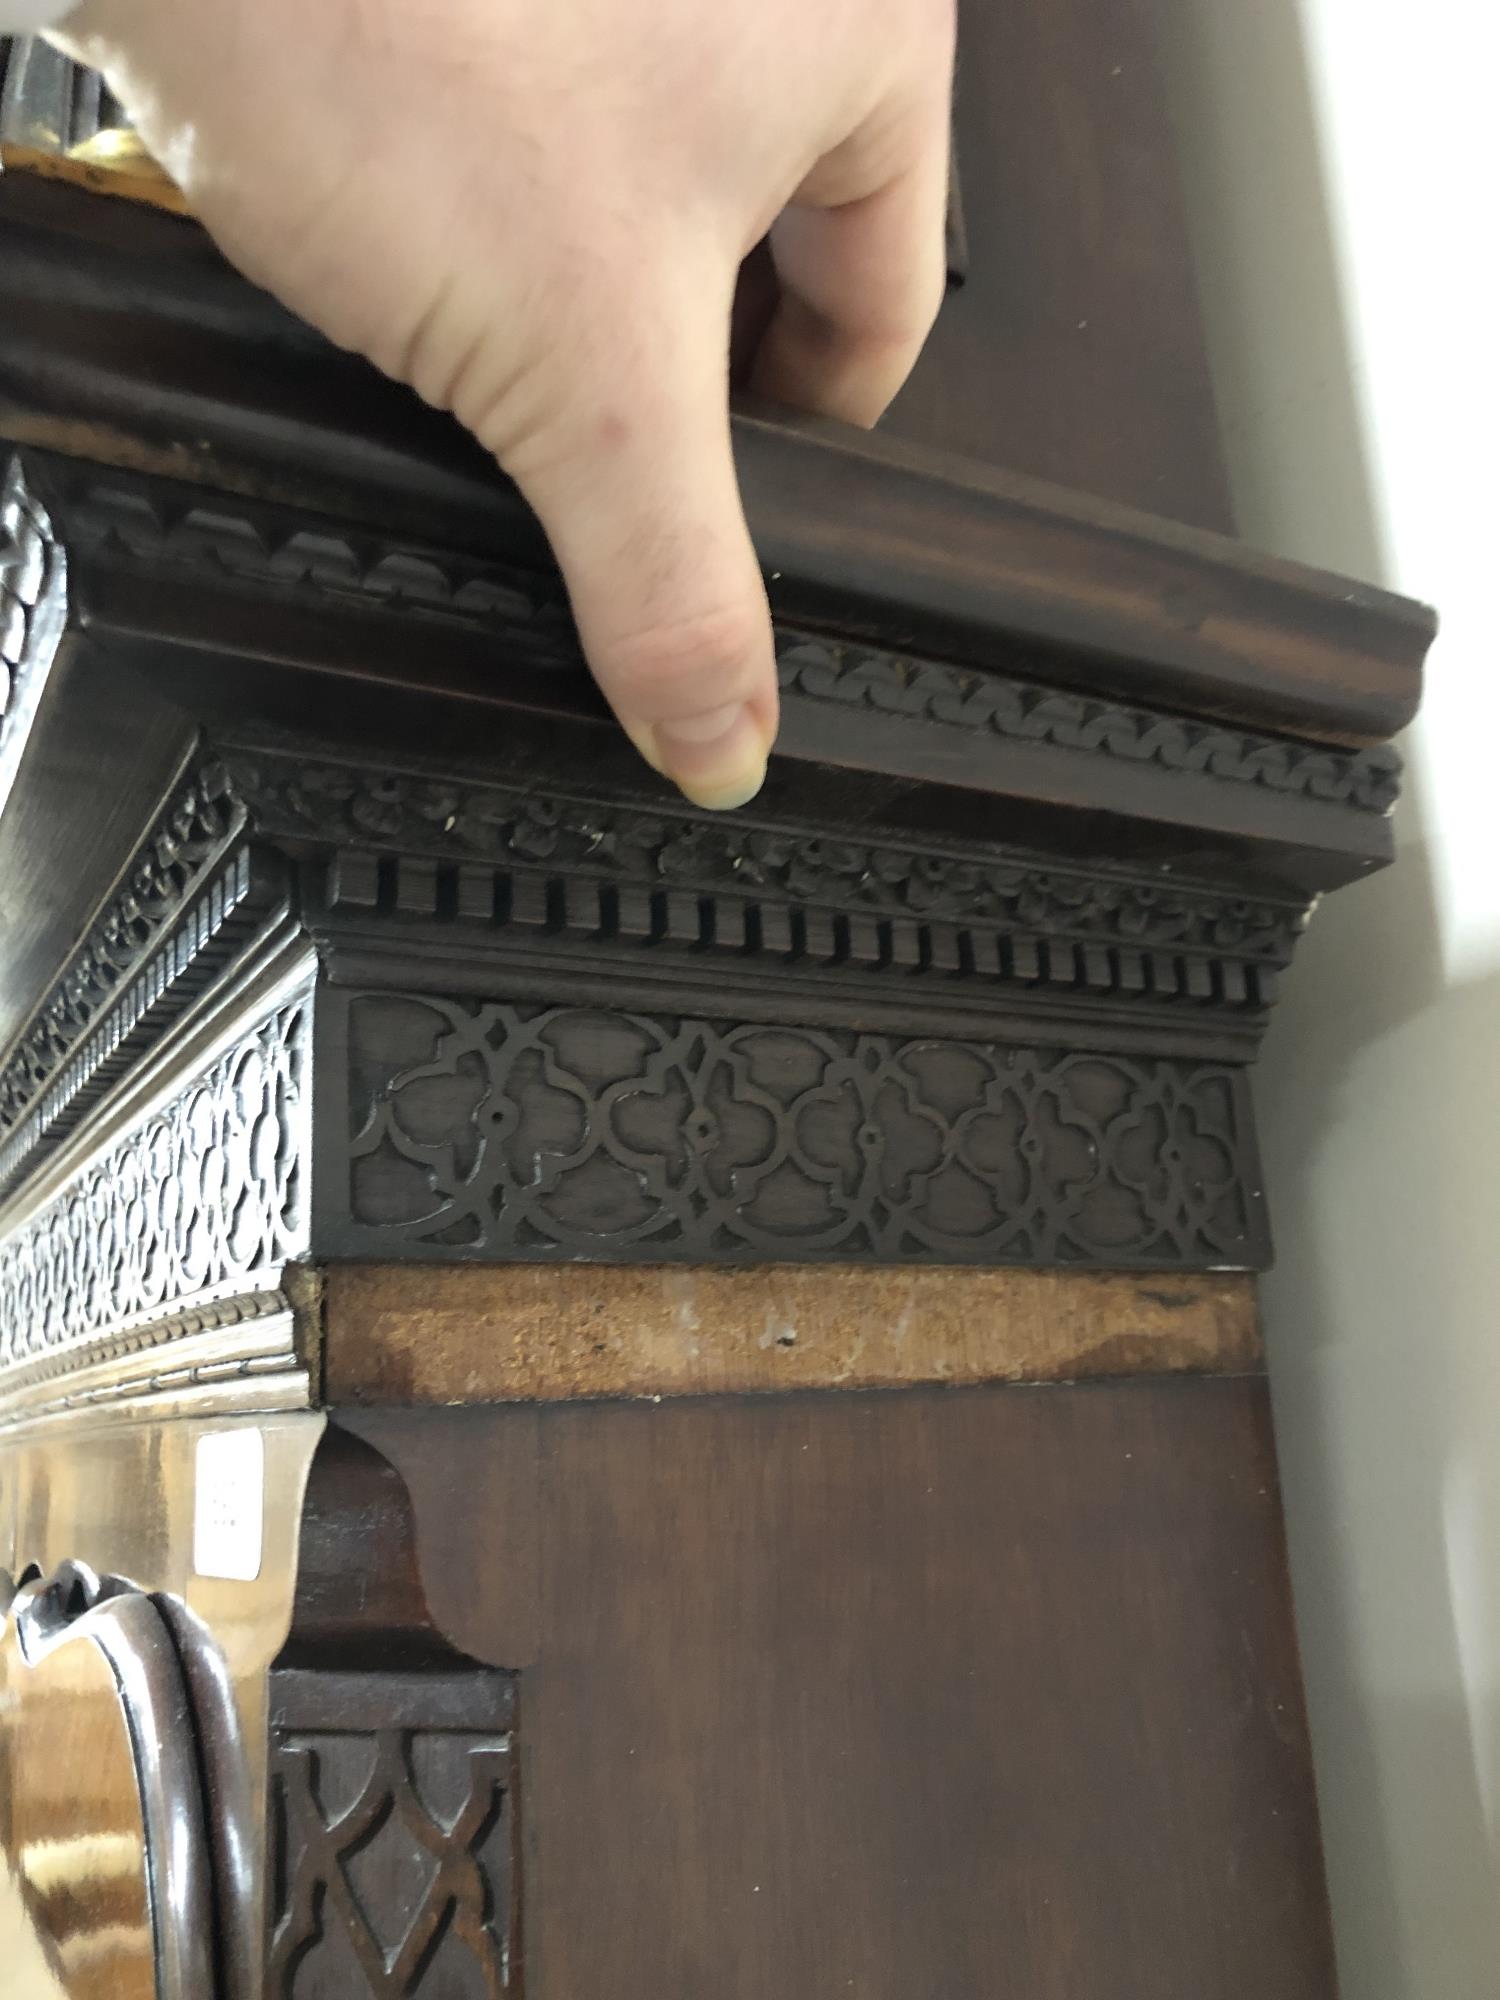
(186, 1221)
(193, 892)
(490, 1130)
(393, 1854)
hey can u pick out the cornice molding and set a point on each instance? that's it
(237, 544)
(626, 875)
(189, 895)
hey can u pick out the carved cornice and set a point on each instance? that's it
(782, 891)
(481, 1129)
(195, 1210)
(860, 676)
(275, 551)
(317, 560)
(190, 893)
(616, 875)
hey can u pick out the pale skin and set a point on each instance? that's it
(535, 213)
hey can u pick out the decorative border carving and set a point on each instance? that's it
(617, 873)
(187, 899)
(204, 1202)
(242, 542)
(863, 677)
(481, 1129)
(239, 541)
(412, 1777)
(229, 1356)
(33, 610)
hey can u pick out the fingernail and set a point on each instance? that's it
(718, 760)
(643, 736)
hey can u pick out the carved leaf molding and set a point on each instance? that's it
(861, 677)
(406, 813)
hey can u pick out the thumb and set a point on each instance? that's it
(632, 475)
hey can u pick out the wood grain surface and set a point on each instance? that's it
(125, 339)
(1074, 348)
(980, 1694)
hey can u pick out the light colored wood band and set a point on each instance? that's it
(114, 163)
(524, 1333)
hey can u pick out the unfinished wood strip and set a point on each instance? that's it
(403, 1333)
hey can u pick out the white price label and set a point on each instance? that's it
(230, 1504)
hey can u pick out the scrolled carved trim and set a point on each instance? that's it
(628, 876)
(33, 611)
(482, 1129)
(191, 892)
(239, 542)
(195, 1210)
(862, 676)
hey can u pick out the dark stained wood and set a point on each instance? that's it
(454, 1131)
(391, 1782)
(402, 1334)
(233, 650)
(896, 1677)
(131, 343)
(65, 834)
(1073, 350)
(948, 1693)
(940, 548)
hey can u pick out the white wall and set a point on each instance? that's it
(1344, 188)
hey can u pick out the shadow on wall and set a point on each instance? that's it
(1370, 1093)
(1380, 1105)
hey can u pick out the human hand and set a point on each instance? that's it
(536, 216)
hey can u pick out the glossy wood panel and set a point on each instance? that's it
(74, 1901)
(124, 1497)
(103, 1823)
